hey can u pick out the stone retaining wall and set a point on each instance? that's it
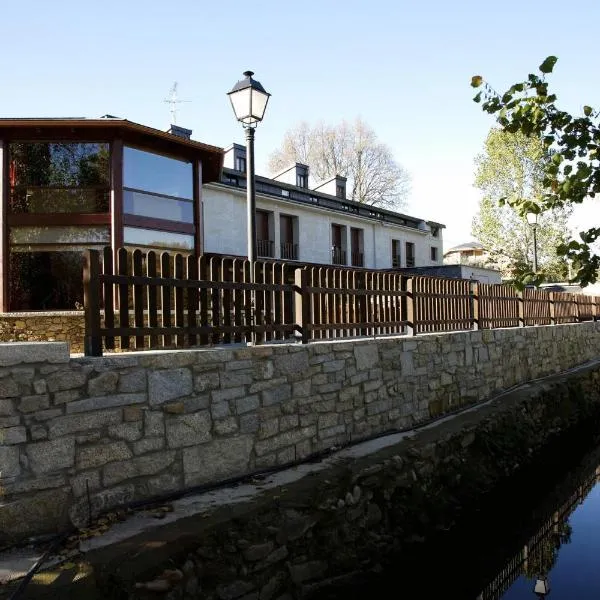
(131, 426)
(44, 327)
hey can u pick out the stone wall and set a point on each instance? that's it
(83, 434)
(44, 327)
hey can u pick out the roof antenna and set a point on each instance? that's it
(173, 101)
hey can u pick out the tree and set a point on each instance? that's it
(350, 150)
(573, 173)
(512, 167)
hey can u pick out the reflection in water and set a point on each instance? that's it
(536, 567)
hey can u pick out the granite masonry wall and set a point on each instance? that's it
(81, 435)
(44, 327)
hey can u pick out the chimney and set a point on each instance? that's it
(181, 132)
(297, 174)
(336, 186)
(235, 158)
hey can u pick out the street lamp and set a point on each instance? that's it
(542, 587)
(532, 219)
(249, 101)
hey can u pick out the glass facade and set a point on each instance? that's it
(158, 187)
(47, 177)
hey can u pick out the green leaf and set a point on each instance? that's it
(548, 64)
(477, 98)
(476, 81)
(587, 110)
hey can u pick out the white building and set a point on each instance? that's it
(318, 225)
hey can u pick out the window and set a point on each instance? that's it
(338, 244)
(285, 193)
(46, 280)
(301, 180)
(46, 177)
(356, 247)
(340, 191)
(139, 236)
(410, 254)
(288, 232)
(240, 163)
(264, 239)
(435, 231)
(158, 207)
(396, 256)
(434, 253)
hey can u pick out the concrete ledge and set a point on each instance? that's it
(14, 353)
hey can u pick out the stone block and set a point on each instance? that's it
(218, 410)
(154, 423)
(67, 379)
(9, 388)
(9, 436)
(148, 445)
(174, 408)
(206, 381)
(9, 462)
(132, 413)
(169, 384)
(33, 484)
(313, 569)
(91, 457)
(229, 379)
(366, 355)
(29, 404)
(132, 381)
(15, 353)
(126, 431)
(333, 366)
(9, 422)
(66, 396)
(101, 501)
(291, 364)
(40, 386)
(218, 460)
(281, 393)
(289, 438)
(225, 426)
(64, 425)
(188, 430)
(47, 457)
(246, 404)
(7, 408)
(328, 420)
(301, 388)
(268, 428)
(249, 423)
(288, 422)
(259, 386)
(102, 402)
(149, 464)
(42, 512)
(228, 394)
(38, 432)
(105, 383)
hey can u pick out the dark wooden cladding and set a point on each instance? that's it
(176, 301)
(58, 219)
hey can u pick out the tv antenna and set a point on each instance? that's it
(173, 100)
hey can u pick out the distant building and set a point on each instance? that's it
(481, 274)
(471, 253)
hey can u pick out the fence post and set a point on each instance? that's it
(302, 303)
(521, 308)
(91, 301)
(577, 310)
(411, 328)
(474, 292)
(552, 308)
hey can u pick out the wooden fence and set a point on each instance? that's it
(148, 300)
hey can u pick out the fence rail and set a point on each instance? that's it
(136, 299)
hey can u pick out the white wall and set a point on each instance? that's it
(225, 230)
(481, 274)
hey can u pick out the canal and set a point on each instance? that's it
(540, 535)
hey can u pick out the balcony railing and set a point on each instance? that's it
(338, 256)
(289, 251)
(358, 259)
(396, 261)
(265, 248)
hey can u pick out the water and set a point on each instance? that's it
(543, 527)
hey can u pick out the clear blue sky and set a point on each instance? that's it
(403, 66)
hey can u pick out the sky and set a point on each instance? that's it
(403, 66)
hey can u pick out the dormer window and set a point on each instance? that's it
(340, 191)
(435, 231)
(301, 180)
(240, 163)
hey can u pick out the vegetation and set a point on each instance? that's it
(572, 143)
(512, 167)
(351, 150)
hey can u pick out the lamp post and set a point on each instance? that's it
(532, 219)
(249, 101)
(542, 587)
